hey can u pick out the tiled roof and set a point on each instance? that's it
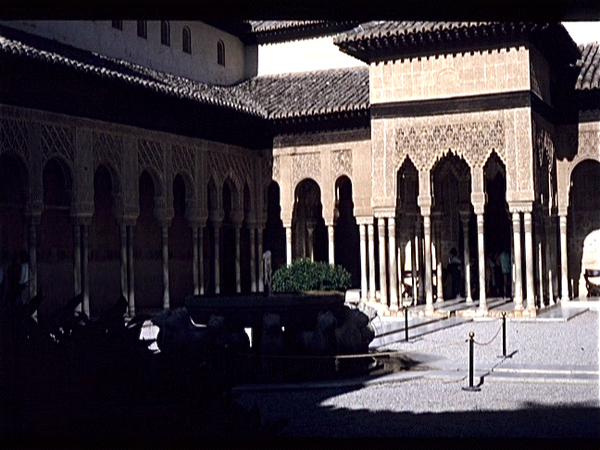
(271, 31)
(39, 49)
(589, 76)
(261, 26)
(380, 38)
(312, 93)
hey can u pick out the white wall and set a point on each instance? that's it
(201, 65)
(303, 56)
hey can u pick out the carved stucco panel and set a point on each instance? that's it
(306, 165)
(13, 137)
(276, 168)
(341, 163)
(378, 149)
(183, 160)
(150, 154)
(524, 148)
(223, 165)
(107, 147)
(589, 144)
(57, 140)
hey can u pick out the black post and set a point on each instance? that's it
(503, 355)
(471, 388)
(406, 323)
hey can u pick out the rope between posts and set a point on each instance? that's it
(491, 340)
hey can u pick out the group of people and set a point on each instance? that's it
(14, 281)
(498, 274)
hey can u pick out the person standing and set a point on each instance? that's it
(506, 269)
(454, 267)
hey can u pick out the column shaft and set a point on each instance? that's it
(481, 257)
(371, 250)
(363, 261)
(564, 262)
(131, 268)
(216, 227)
(195, 259)
(123, 243)
(252, 259)
(85, 275)
(393, 272)
(165, 266)
(428, 271)
(238, 278)
(382, 263)
(77, 260)
(32, 260)
(529, 261)
(201, 260)
(331, 243)
(261, 272)
(516, 220)
(414, 256)
(467, 261)
(288, 245)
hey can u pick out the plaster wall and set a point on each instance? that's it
(450, 75)
(201, 65)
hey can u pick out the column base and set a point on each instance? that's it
(565, 299)
(469, 300)
(519, 306)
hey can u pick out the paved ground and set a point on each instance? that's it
(547, 388)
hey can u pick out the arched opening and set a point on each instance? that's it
(497, 225)
(454, 228)
(147, 247)
(308, 226)
(274, 233)
(346, 238)
(583, 218)
(221, 53)
(165, 33)
(104, 264)
(55, 240)
(180, 247)
(13, 201)
(186, 40)
(408, 229)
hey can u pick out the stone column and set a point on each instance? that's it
(529, 261)
(288, 245)
(439, 269)
(414, 263)
(238, 279)
(77, 259)
(261, 272)
(331, 244)
(252, 259)
(393, 272)
(465, 216)
(540, 274)
(516, 222)
(201, 260)
(165, 264)
(217, 240)
(564, 262)
(195, 259)
(427, 251)
(481, 257)
(310, 228)
(371, 249)
(382, 263)
(32, 242)
(362, 228)
(130, 278)
(85, 274)
(123, 243)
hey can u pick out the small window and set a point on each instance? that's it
(221, 53)
(118, 24)
(186, 37)
(165, 33)
(142, 29)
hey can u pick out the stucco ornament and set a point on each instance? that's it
(13, 137)
(58, 140)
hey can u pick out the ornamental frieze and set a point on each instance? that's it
(341, 163)
(150, 154)
(306, 165)
(239, 168)
(474, 141)
(58, 140)
(106, 147)
(184, 160)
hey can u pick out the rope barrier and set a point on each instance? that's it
(490, 341)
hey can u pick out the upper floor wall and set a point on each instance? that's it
(214, 56)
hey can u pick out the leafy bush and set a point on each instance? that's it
(306, 275)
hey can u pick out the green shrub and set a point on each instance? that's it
(306, 275)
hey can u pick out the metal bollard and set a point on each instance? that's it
(406, 323)
(471, 388)
(503, 335)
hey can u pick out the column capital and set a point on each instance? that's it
(237, 217)
(81, 220)
(520, 207)
(216, 216)
(563, 211)
(479, 199)
(364, 220)
(384, 212)
(424, 201)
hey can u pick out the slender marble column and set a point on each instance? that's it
(288, 245)
(439, 269)
(131, 268)
(529, 261)
(85, 274)
(123, 242)
(252, 259)
(195, 259)
(382, 263)
(77, 260)
(165, 265)
(481, 257)
(261, 273)
(467, 257)
(428, 271)
(238, 278)
(217, 226)
(362, 228)
(516, 220)
(393, 268)
(414, 255)
(310, 228)
(331, 243)
(564, 262)
(371, 249)
(201, 260)
(540, 275)
(32, 260)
